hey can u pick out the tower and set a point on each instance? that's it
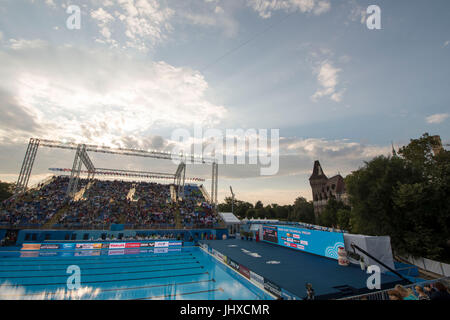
(318, 180)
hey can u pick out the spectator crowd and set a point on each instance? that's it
(100, 203)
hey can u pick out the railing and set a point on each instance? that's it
(383, 294)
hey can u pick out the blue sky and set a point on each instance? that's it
(137, 70)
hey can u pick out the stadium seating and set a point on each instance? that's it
(100, 203)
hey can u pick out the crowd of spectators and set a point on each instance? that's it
(100, 203)
(35, 207)
(194, 210)
(435, 292)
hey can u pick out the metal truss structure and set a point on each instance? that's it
(179, 180)
(27, 166)
(129, 173)
(214, 183)
(82, 157)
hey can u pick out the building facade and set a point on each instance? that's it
(324, 189)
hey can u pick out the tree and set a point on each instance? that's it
(6, 190)
(405, 197)
(329, 216)
(302, 211)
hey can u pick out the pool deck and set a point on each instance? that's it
(295, 269)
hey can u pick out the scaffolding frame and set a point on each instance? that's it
(82, 157)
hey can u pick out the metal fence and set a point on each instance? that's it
(383, 294)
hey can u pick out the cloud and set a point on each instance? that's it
(20, 44)
(265, 8)
(98, 95)
(437, 118)
(328, 79)
(446, 43)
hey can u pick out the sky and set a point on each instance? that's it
(135, 71)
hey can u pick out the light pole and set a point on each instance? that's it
(232, 200)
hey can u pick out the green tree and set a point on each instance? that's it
(6, 190)
(302, 211)
(405, 197)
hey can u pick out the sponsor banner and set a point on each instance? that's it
(161, 244)
(323, 243)
(272, 288)
(68, 246)
(256, 277)
(217, 254)
(97, 245)
(117, 245)
(244, 271)
(175, 244)
(147, 244)
(50, 246)
(161, 250)
(31, 246)
(233, 264)
(132, 245)
(84, 246)
(105, 245)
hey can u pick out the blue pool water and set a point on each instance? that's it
(182, 273)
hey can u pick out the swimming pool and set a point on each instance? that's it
(161, 274)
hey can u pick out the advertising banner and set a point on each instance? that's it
(272, 288)
(50, 246)
(244, 271)
(256, 277)
(161, 250)
(233, 264)
(132, 245)
(175, 244)
(323, 243)
(68, 246)
(161, 244)
(31, 246)
(147, 244)
(117, 245)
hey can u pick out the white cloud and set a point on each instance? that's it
(98, 96)
(327, 77)
(446, 43)
(437, 118)
(265, 8)
(19, 44)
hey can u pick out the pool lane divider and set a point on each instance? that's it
(106, 281)
(64, 269)
(95, 262)
(99, 290)
(179, 294)
(257, 280)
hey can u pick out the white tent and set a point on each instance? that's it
(231, 221)
(378, 247)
